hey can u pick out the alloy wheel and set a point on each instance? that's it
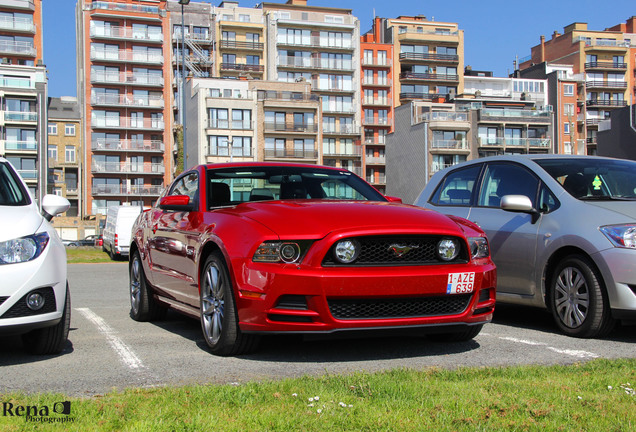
(572, 297)
(213, 303)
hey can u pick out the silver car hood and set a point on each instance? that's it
(626, 208)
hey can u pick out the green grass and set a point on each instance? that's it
(86, 254)
(592, 396)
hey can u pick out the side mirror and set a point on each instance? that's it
(519, 204)
(394, 199)
(176, 202)
(53, 205)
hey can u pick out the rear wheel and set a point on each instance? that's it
(50, 340)
(219, 318)
(143, 306)
(465, 334)
(577, 299)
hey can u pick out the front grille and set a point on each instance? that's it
(398, 308)
(20, 309)
(379, 251)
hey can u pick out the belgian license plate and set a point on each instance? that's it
(460, 283)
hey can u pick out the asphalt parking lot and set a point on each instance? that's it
(108, 350)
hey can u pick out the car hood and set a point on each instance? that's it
(625, 208)
(18, 221)
(317, 218)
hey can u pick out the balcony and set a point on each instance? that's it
(413, 76)
(375, 160)
(317, 42)
(605, 103)
(606, 84)
(21, 83)
(126, 33)
(126, 56)
(376, 179)
(134, 9)
(430, 57)
(422, 96)
(134, 190)
(340, 130)
(270, 95)
(376, 101)
(28, 175)
(141, 80)
(449, 145)
(20, 146)
(375, 62)
(375, 141)
(343, 151)
(117, 145)
(536, 143)
(438, 166)
(242, 67)
(378, 122)
(376, 83)
(290, 154)
(606, 65)
(127, 168)
(443, 117)
(118, 100)
(242, 45)
(17, 24)
(20, 116)
(17, 48)
(128, 123)
(502, 115)
(290, 127)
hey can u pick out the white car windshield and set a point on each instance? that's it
(11, 191)
(594, 179)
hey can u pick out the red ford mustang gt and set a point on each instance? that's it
(256, 248)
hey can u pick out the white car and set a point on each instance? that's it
(34, 294)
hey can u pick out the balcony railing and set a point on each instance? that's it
(424, 96)
(376, 62)
(355, 151)
(308, 63)
(602, 43)
(493, 113)
(106, 144)
(242, 67)
(127, 168)
(450, 144)
(380, 179)
(23, 83)
(443, 117)
(376, 101)
(127, 100)
(437, 166)
(378, 122)
(606, 102)
(20, 116)
(428, 76)
(605, 65)
(291, 153)
(290, 127)
(18, 47)
(287, 96)
(429, 32)
(429, 56)
(515, 142)
(375, 159)
(135, 190)
(242, 45)
(20, 145)
(376, 82)
(375, 140)
(125, 7)
(28, 174)
(127, 123)
(118, 32)
(126, 56)
(317, 42)
(606, 84)
(17, 24)
(341, 130)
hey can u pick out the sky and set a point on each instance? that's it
(495, 32)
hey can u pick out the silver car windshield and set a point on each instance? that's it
(594, 179)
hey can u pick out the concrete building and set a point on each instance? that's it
(617, 135)
(606, 61)
(65, 151)
(23, 92)
(124, 92)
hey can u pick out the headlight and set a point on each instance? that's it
(478, 247)
(23, 249)
(277, 252)
(346, 251)
(448, 249)
(623, 236)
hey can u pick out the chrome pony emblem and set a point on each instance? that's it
(400, 250)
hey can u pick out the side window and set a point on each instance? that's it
(187, 185)
(457, 188)
(547, 200)
(506, 179)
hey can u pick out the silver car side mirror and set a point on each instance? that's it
(520, 204)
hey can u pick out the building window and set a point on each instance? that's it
(69, 129)
(218, 145)
(52, 128)
(568, 109)
(566, 128)
(70, 154)
(218, 118)
(568, 89)
(52, 152)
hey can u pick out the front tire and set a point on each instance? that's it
(50, 340)
(577, 299)
(219, 318)
(143, 306)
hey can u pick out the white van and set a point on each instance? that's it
(117, 232)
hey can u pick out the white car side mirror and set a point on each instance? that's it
(53, 205)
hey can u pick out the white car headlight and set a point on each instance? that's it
(478, 247)
(623, 236)
(23, 249)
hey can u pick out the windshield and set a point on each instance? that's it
(11, 191)
(236, 185)
(594, 179)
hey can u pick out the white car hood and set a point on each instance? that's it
(625, 208)
(19, 221)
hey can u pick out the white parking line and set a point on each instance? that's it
(574, 353)
(126, 355)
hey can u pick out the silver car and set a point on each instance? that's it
(562, 232)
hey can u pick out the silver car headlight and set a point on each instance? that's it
(623, 236)
(479, 247)
(23, 249)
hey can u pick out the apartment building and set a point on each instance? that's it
(320, 45)
(23, 92)
(377, 102)
(124, 54)
(64, 151)
(255, 120)
(606, 60)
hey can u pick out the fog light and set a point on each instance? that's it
(35, 301)
(347, 251)
(448, 249)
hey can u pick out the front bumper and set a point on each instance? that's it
(46, 274)
(618, 267)
(296, 298)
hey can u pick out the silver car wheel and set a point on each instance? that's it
(135, 285)
(572, 297)
(212, 303)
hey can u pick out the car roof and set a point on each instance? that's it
(527, 159)
(268, 164)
